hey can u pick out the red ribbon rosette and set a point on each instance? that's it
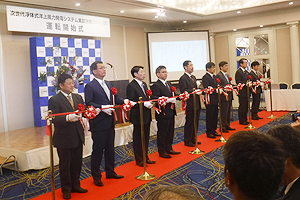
(250, 77)
(208, 92)
(267, 81)
(90, 113)
(260, 76)
(230, 79)
(162, 101)
(126, 106)
(81, 107)
(114, 91)
(184, 96)
(218, 80)
(149, 93)
(173, 93)
(256, 85)
(239, 87)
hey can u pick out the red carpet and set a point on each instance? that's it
(113, 188)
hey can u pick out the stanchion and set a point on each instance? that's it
(145, 175)
(222, 139)
(271, 104)
(248, 93)
(196, 151)
(49, 120)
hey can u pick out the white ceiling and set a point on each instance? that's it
(145, 11)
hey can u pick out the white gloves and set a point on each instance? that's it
(171, 100)
(131, 102)
(108, 109)
(72, 118)
(198, 92)
(148, 104)
(98, 111)
(198, 84)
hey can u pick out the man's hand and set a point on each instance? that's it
(171, 100)
(148, 104)
(108, 109)
(98, 111)
(72, 117)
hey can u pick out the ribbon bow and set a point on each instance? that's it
(126, 106)
(208, 92)
(114, 91)
(184, 96)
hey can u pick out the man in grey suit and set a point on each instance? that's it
(225, 103)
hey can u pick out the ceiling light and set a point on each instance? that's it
(261, 26)
(122, 11)
(184, 21)
(77, 4)
(238, 12)
(234, 29)
(291, 3)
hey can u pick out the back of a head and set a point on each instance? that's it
(164, 192)
(256, 162)
(290, 138)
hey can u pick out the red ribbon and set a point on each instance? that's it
(184, 96)
(208, 92)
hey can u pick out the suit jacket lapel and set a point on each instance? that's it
(167, 90)
(66, 102)
(140, 89)
(101, 88)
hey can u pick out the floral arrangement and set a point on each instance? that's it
(65, 65)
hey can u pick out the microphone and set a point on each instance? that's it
(110, 65)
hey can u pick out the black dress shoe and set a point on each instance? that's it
(141, 164)
(98, 183)
(189, 144)
(165, 155)
(217, 134)
(259, 117)
(254, 118)
(244, 123)
(224, 130)
(79, 190)
(67, 195)
(210, 136)
(150, 161)
(173, 152)
(115, 176)
(230, 129)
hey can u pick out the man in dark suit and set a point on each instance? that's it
(225, 103)
(209, 79)
(98, 94)
(256, 97)
(290, 138)
(186, 83)
(135, 89)
(165, 119)
(68, 135)
(241, 76)
(254, 165)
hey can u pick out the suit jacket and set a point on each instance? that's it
(294, 192)
(159, 89)
(254, 78)
(187, 84)
(241, 77)
(207, 80)
(223, 83)
(66, 134)
(134, 91)
(95, 96)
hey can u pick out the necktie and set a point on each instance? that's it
(70, 100)
(104, 86)
(142, 86)
(192, 79)
(167, 86)
(226, 76)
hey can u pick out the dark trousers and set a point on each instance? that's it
(70, 162)
(103, 141)
(137, 141)
(255, 104)
(243, 109)
(225, 111)
(189, 131)
(165, 134)
(211, 118)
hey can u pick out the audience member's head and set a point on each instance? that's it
(254, 165)
(164, 192)
(290, 137)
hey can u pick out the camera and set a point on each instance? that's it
(294, 116)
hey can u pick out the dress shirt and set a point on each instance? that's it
(226, 75)
(288, 187)
(140, 84)
(103, 84)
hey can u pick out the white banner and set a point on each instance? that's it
(45, 21)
